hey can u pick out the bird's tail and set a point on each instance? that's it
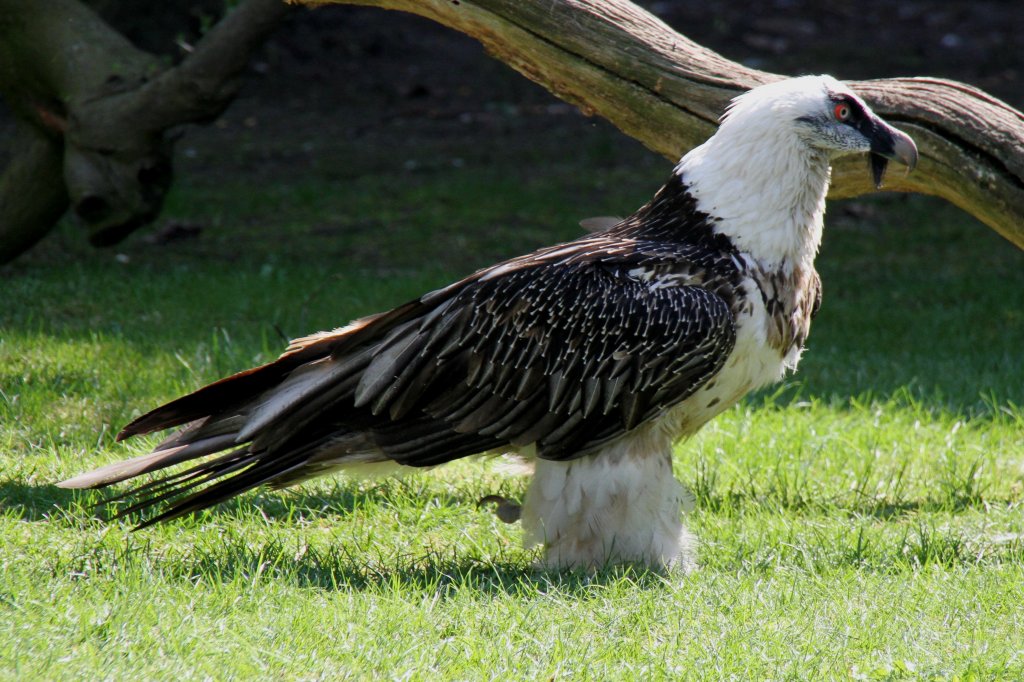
(254, 428)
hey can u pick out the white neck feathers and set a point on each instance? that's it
(767, 187)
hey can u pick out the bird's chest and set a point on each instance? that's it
(788, 300)
(772, 322)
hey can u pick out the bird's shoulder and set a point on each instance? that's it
(623, 258)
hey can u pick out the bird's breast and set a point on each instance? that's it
(773, 315)
(789, 298)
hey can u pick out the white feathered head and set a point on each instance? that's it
(827, 116)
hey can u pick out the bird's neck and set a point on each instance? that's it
(769, 199)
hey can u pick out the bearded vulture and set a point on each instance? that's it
(591, 357)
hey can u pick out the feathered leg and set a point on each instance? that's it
(615, 506)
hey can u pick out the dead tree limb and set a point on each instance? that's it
(32, 192)
(99, 109)
(614, 59)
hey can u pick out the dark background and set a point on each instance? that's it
(341, 90)
(367, 53)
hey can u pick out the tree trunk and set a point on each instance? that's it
(98, 109)
(614, 59)
(32, 192)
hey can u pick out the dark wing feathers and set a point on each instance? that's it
(567, 348)
(588, 342)
(222, 395)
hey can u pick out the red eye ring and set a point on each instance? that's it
(842, 111)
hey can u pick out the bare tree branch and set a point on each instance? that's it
(207, 80)
(614, 59)
(36, 164)
(102, 108)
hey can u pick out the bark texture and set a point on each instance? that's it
(616, 60)
(99, 110)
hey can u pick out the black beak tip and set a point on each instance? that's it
(893, 144)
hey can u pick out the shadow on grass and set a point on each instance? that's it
(882, 510)
(31, 502)
(231, 556)
(345, 568)
(240, 550)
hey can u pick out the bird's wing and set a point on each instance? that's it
(565, 353)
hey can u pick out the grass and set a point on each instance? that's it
(861, 521)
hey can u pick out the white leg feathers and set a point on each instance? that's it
(620, 505)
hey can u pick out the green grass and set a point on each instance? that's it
(862, 521)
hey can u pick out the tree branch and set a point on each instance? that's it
(36, 165)
(207, 80)
(614, 59)
(105, 107)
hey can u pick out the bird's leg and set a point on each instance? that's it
(621, 505)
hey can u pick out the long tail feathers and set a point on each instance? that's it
(227, 417)
(158, 459)
(221, 396)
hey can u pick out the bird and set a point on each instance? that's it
(590, 358)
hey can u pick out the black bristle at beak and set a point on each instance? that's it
(878, 165)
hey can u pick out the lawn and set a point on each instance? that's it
(861, 521)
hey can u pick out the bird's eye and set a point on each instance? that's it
(842, 111)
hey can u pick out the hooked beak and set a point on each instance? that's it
(888, 143)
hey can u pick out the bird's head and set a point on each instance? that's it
(825, 115)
